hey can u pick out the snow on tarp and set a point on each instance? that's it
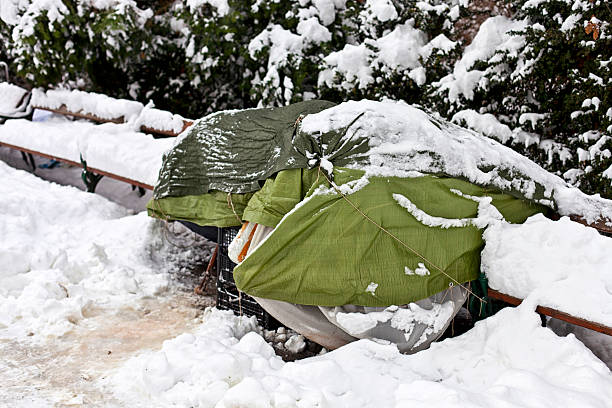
(11, 97)
(64, 252)
(559, 264)
(77, 101)
(109, 147)
(508, 360)
(403, 138)
(488, 125)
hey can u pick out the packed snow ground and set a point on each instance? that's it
(84, 283)
(88, 299)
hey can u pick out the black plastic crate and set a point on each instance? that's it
(241, 304)
(227, 235)
(225, 267)
(228, 296)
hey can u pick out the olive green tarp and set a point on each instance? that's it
(325, 252)
(256, 165)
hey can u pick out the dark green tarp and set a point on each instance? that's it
(234, 151)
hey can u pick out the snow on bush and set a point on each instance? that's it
(537, 79)
(545, 77)
(86, 42)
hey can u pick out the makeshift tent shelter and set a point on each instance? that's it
(372, 203)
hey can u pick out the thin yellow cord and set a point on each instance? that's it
(230, 203)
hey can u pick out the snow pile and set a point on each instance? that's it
(560, 264)
(11, 97)
(98, 105)
(507, 360)
(110, 147)
(64, 254)
(403, 139)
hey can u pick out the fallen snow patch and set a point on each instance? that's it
(507, 360)
(64, 253)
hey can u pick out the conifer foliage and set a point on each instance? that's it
(537, 78)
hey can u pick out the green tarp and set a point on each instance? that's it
(234, 151)
(256, 165)
(327, 253)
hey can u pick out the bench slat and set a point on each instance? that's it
(62, 110)
(73, 163)
(599, 225)
(598, 327)
(170, 133)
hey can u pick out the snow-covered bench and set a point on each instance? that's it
(551, 312)
(563, 269)
(103, 109)
(115, 148)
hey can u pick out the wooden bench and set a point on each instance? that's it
(547, 311)
(604, 229)
(66, 103)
